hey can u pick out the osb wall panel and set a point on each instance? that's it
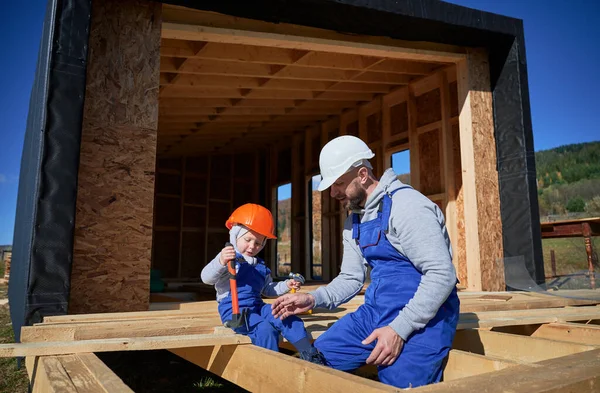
(486, 175)
(351, 129)
(113, 228)
(429, 107)
(459, 249)
(374, 127)
(429, 163)
(398, 118)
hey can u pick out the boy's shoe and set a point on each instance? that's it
(314, 356)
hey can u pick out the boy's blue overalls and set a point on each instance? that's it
(394, 281)
(262, 328)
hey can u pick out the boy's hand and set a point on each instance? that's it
(293, 284)
(227, 254)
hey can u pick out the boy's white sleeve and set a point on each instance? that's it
(213, 271)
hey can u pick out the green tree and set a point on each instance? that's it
(576, 205)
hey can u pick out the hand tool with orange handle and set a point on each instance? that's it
(299, 278)
(237, 319)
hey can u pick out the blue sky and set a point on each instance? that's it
(562, 55)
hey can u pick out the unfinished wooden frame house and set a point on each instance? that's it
(158, 120)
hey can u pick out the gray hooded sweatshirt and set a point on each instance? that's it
(417, 230)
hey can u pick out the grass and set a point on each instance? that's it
(570, 257)
(569, 253)
(12, 379)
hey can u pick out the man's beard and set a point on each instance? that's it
(358, 197)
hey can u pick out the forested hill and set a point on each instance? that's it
(569, 180)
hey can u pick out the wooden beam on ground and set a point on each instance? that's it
(251, 367)
(483, 225)
(571, 332)
(574, 373)
(514, 347)
(81, 373)
(119, 344)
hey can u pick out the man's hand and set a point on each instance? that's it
(388, 347)
(292, 304)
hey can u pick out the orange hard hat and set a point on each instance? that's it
(255, 217)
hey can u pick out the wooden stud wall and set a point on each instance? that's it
(417, 110)
(423, 118)
(113, 226)
(194, 198)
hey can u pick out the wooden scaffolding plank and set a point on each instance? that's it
(574, 373)
(119, 344)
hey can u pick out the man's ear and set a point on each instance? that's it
(363, 174)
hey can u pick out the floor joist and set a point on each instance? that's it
(119, 344)
(82, 373)
(574, 373)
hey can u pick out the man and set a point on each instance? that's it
(407, 324)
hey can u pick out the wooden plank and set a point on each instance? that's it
(447, 149)
(119, 344)
(58, 378)
(574, 373)
(211, 27)
(81, 373)
(436, 125)
(105, 376)
(461, 364)
(298, 208)
(232, 363)
(38, 376)
(115, 329)
(571, 332)
(413, 140)
(385, 133)
(483, 225)
(514, 347)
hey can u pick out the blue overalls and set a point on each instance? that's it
(394, 281)
(262, 328)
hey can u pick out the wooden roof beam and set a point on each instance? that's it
(183, 24)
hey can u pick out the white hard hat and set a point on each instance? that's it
(339, 155)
